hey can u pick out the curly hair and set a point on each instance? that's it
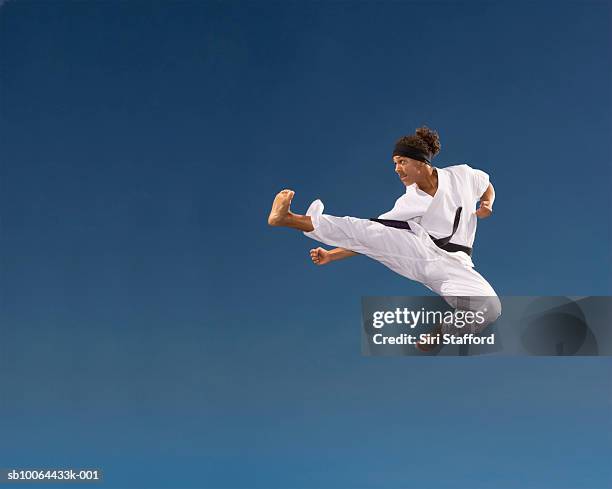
(424, 139)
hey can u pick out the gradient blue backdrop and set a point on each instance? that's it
(154, 326)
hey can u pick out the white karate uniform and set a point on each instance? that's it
(412, 253)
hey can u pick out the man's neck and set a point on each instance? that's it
(429, 183)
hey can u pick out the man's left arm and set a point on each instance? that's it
(486, 203)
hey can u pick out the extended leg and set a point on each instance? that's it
(410, 254)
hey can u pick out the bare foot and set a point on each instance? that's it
(280, 212)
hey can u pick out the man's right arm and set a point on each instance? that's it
(341, 253)
(321, 256)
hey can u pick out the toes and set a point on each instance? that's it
(286, 194)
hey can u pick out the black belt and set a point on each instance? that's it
(443, 243)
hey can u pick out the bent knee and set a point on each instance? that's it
(492, 309)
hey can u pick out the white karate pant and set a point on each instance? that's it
(412, 254)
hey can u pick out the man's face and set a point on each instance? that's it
(407, 169)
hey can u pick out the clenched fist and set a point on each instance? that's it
(319, 256)
(485, 209)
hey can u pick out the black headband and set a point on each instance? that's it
(410, 152)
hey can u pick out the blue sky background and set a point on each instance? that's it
(154, 326)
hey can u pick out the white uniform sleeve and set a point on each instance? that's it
(409, 206)
(395, 213)
(480, 181)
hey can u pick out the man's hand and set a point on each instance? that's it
(485, 209)
(319, 256)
